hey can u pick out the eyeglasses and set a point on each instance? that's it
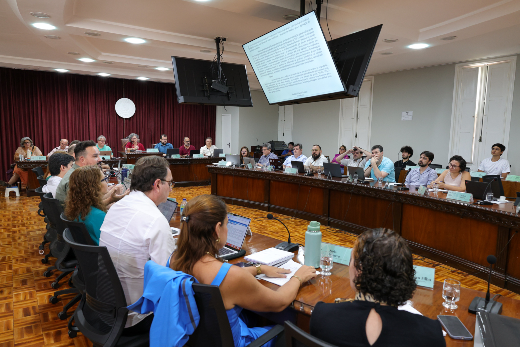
(453, 166)
(27, 142)
(105, 179)
(170, 182)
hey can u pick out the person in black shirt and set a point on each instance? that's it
(382, 274)
(406, 154)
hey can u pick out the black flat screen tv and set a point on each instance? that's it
(194, 83)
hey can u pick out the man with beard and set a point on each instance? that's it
(424, 174)
(316, 160)
(380, 166)
(406, 154)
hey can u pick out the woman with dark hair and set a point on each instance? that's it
(341, 155)
(203, 232)
(382, 274)
(244, 153)
(27, 149)
(84, 203)
(455, 177)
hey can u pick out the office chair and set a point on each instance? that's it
(101, 314)
(397, 174)
(436, 166)
(475, 179)
(38, 171)
(214, 329)
(42, 181)
(296, 337)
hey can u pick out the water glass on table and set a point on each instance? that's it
(450, 293)
(489, 197)
(380, 181)
(326, 259)
(435, 188)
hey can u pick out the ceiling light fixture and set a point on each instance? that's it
(419, 46)
(73, 53)
(40, 15)
(162, 68)
(103, 74)
(449, 38)
(52, 37)
(86, 60)
(134, 40)
(43, 26)
(61, 70)
(142, 78)
(92, 33)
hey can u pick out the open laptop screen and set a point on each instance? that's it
(168, 209)
(237, 228)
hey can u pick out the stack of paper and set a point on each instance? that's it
(270, 256)
(290, 265)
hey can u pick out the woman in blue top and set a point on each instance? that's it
(203, 232)
(87, 186)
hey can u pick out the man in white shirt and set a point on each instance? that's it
(495, 165)
(63, 147)
(316, 160)
(134, 230)
(359, 157)
(208, 149)
(59, 165)
(297, 156)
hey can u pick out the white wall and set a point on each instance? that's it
(514, 140)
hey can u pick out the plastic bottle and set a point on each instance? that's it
(29, 154)
(355, 177)
(183, 203)
(313, 245)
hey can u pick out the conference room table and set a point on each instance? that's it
(327, 288)
(32, 181)
(454, 233)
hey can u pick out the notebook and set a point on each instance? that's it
(237, 230)
(270, 256)
(280, 281)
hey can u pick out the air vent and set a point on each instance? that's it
(40, 15)
(73, 53)
(386, 53)
(92, 33)
(390, 40)
(449, 38)
(108, 62)
(205, 50)
(291, 16)
(52, 37)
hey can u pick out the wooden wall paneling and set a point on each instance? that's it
(214, 183)
(513, 259)
(284, 194)
(180, 172)
(199, 172)
(240, 187)
(311, 200)
(224, 185)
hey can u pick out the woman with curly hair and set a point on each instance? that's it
(382, 274)
(84, 203)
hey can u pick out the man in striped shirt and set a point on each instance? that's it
(424, 174)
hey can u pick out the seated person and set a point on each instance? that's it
(424, 174)
(208, 149)
(163, 146)
(59, 164)
(382, 274)
(185, 149)
(87, 186)
(359, 157)
(297, 156)
(406, 154)
(244, 153)
(135, 230)
(264, 159)
(380, 166)
(204, 230)
(133, 144)
(495, 165)
(27, 149)
(316, 160)
(289, 151)
(63, 147)
(341, 155)
(101, 145)
(455, 177)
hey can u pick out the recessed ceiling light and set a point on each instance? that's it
(419, 46)
(73, 53)
(40, 15)
(103, 74)
(61, 70)
(142, 78)
(86, 60)
(386, 53)
(44, 26)
(52, 37)
(162, 68)
(290, 16)
(449, 38)
(92, 33)
(390, 40)
(107, 62)
(134, 40)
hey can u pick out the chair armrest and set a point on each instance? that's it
(268, 336)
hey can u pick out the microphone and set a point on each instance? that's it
(487, 305)
(284, 246)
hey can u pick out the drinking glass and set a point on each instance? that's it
(326, 259)
(489, 197)
(450, 293)
(380, 181)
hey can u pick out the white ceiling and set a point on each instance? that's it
(483, 28)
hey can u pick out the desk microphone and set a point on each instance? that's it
(483, 199)
(481, 304)
(284, 246)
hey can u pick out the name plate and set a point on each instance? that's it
(152, 150)
(439, 171)
(249, 166)
(341, 254)
(464, 197)
(412, 167)
(421, 190)
(176, 156)
(129, 166)
(222, 163)
(198, 156)
(477, 174)
(291, 170)
(38, 157)
(424, 276)
(513, 178)
(105, 157)
(222, 155)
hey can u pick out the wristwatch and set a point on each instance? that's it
(258, 270)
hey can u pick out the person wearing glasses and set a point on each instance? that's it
(133, 144)
(359, 157)
(135, 230)
(342, 154)
(87, 186)
(455, 177)
(26, 149)
(185, 149)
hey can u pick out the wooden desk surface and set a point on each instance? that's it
(328, 288)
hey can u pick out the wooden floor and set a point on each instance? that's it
(28, 319)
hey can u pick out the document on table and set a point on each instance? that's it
(409, 308)
(290, 265)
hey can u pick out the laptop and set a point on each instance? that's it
(298, 165)
(333, 169)
(480, 189)
(194, 151)
(105, 155)
(360, 172)
(233, 158)
(248, 160)
(217, 152)
(237, 230)
(172, 151)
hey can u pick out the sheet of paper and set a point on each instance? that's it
(409, 308)
(440, 190)
(290, 265)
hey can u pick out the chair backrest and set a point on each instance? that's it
(295, 336)
(78, 231)
(213, 329)
(42, 181)
(397, 173)
(102, 313)
(435, 166)
(498, 180)
(38, 171)
(52, 209)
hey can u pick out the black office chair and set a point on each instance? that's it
(398, 170)
(101, 314)
(42, 181)
(436, 166)
(497, 178)
(38, 171)
(214, 329)
(296, 337)
(475, 179)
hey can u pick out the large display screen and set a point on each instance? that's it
(294, 62)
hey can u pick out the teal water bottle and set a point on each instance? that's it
(183, 203)
(313, 245)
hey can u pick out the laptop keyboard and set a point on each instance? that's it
(225, 251)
